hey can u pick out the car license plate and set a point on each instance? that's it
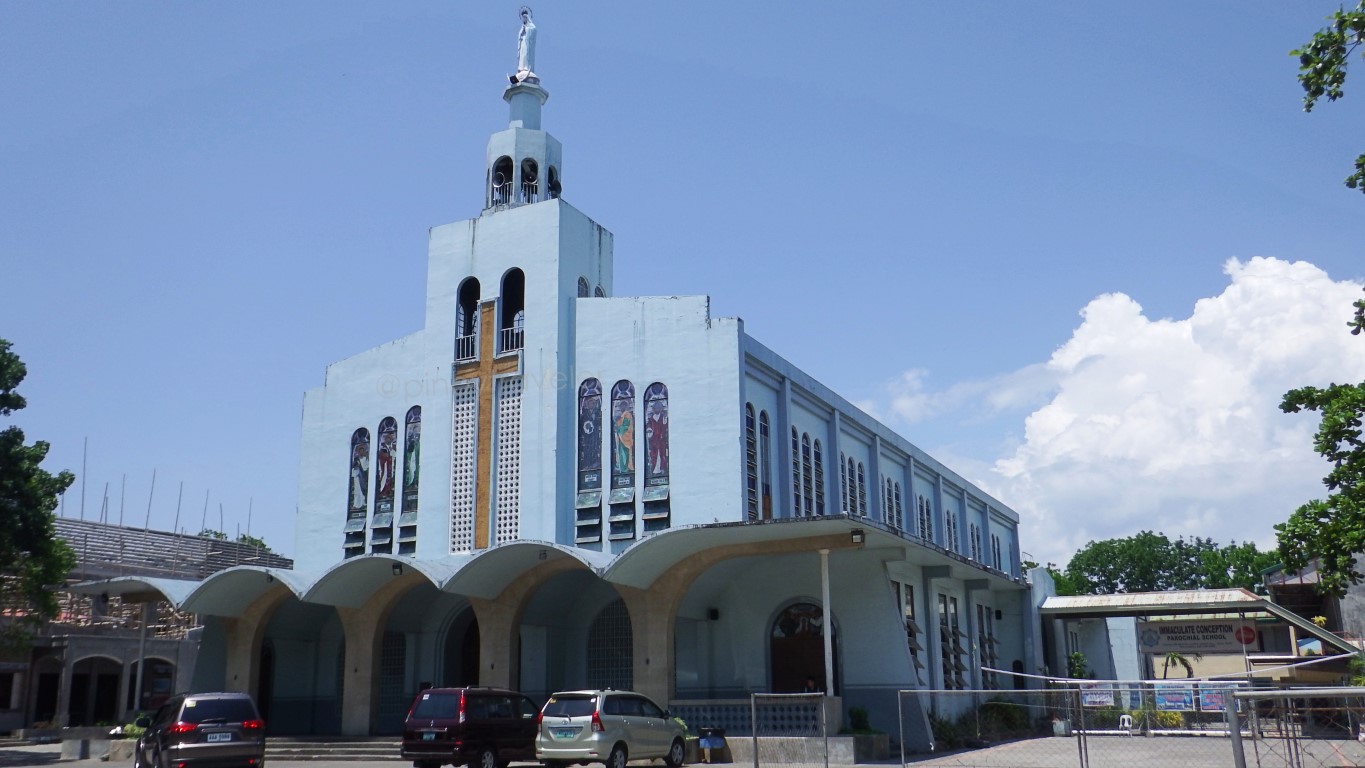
(218, 737)
(428, 736)
(564, 733)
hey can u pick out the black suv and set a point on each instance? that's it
(222, 729)
(485, 727)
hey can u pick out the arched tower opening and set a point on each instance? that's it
(512, 313)
(530, 180)
(500, 187)
(552, 177)
(467, 320)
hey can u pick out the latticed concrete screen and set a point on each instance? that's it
(788, 728)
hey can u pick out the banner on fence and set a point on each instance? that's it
(1096, 695)
(1174, 697)
(1202, 636)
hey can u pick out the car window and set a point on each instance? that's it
(629, 705)
(167, 712)
(570, 706)
(500, 707)
(476, 707)
(221, 710)
(650, 709)
(527, 708)
(433, 706)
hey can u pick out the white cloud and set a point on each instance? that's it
(1169, 425)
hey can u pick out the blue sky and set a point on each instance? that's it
(1075, 250)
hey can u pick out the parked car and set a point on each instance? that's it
(222, 729)
(610, 727)
(484, 727)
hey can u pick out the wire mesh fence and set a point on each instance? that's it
(789, 728)
(1303, 728)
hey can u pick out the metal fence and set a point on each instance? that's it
(789, 728)
(1165, 723)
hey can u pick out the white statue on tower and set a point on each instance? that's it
(526, 49)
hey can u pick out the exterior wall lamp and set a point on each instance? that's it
(857, 536)
(397, 569)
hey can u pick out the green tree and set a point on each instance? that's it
(32, 558)
(1177, 659)
(1322, 67)
(1151, 562)
(252, 541)
(1332, 530)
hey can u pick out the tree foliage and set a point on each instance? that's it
(32, 558)
(1322, 67)
(1151, 562)
(242, 538)
(1332, 530)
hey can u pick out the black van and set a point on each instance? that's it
(484, 727)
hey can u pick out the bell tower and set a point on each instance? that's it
(523, 162)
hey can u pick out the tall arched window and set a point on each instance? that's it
(851, 503)
(513, 310)
(843, 484)
(862, 491)
(385, 474)
(583, 288)
(359, 495)
(599, 293)
(765, 464)
(467, 320)
(900, 511)
(796, 473)
(819, 479)
(887, 512)
(554, 186)
(623, 436)
(530, 180)
(950, 529)
(412, 476)
(750, 462)
(656, 436)
(590, 436)
(808, 497)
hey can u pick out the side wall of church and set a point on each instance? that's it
(673, 341)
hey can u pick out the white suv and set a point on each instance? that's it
(608, 727)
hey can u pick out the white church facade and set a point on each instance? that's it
(550, 486)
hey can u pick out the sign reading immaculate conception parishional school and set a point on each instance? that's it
(1197, 636)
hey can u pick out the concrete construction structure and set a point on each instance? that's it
(599, 490)
(83, 667)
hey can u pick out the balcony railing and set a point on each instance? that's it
(466, 347)
(529, 190)
(509, 340)
(502, 193)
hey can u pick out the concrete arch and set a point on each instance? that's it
(495, 570)
(353, 583)
(229, 592)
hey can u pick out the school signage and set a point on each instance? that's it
(1196, 636)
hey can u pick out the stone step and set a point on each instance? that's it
(341, 750)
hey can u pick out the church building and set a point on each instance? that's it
(550, 487)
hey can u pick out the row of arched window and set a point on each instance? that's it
(510, 318)
(386, 484)
(808, 476)
(583, 289)
(852, 486)
(892, 511)
(506, 187)
(623, 455)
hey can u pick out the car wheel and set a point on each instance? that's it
(427, 764)
(138, 760)
(488, 758)
(676, 753)
(617, 758)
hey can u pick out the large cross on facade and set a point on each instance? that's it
(483, 369)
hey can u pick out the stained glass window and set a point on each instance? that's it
(590, 435)
(623, 435)
(656, 435)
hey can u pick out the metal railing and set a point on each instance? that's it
(501, 193)
(466, 347)
(510, 339)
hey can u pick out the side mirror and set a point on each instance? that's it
(143, 722)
